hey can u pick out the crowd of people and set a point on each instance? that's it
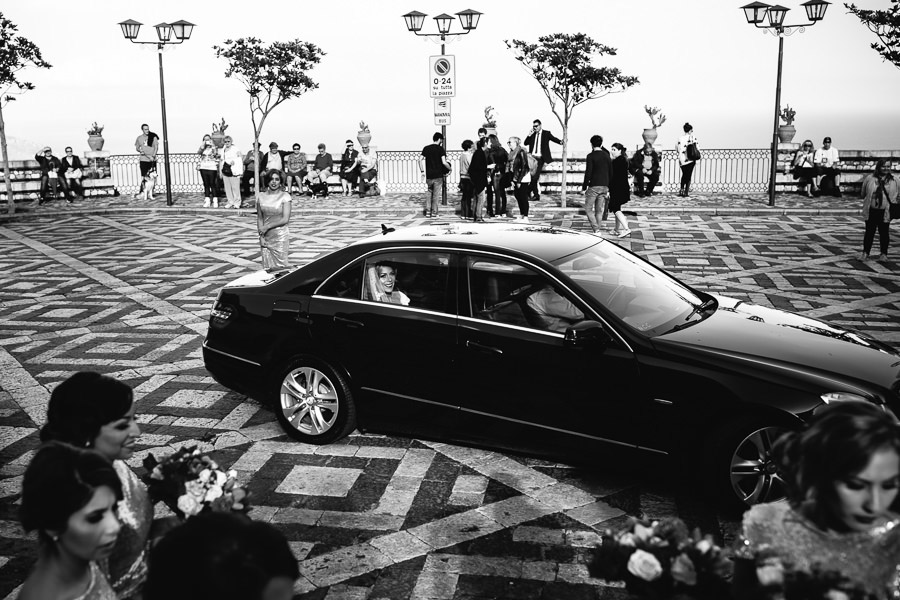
(97, 535)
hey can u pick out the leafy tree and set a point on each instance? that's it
(16, 53)
(561, 63)
(885, 24)
(271, 74)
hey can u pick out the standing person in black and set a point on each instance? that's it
(434, 167)
(619, 189)
(597, 173)
(497, 159)
(349, 169)
(71, 172)
(518, 169)
(478, 172)
(51, 175)
(489, 189)
(538, 143)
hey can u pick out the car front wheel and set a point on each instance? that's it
(314, 402)
(743, 467)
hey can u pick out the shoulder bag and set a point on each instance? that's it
(692, 152)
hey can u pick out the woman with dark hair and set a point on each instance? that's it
(803, 168)
(687, 165)
(497, 159)
(222, 556)
(69, 497)
(841, 475)
(478, 173)
(517, 167)
(273, 213)
(619, 190)
(95, 411)
(209, 170)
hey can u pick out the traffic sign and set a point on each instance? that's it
(442, 111)
(442, 75)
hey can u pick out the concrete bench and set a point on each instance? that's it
(26, 182)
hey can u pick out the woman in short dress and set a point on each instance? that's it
(619, 189)
(209, 171)
(273, 213)
(69, 497)
(95, 411)
(687, 166)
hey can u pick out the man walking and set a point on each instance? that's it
(147, 145)
(597, 172)
(538, 143)
(434, 167)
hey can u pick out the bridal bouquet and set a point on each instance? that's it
(190, 482)
(778, 581)
(662, 559)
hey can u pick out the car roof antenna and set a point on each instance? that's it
(386, 230)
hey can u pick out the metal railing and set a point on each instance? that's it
(720, 170)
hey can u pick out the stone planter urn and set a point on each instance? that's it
(786, 133)
(491, 129)
(218, 138)
(650, 135)
(95, 142)
(363, 136)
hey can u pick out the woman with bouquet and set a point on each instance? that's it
(69, 497)
(841, 476)
(95, 411)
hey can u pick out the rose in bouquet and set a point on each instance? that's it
(782, 581)
(190, 482)
(662, 559)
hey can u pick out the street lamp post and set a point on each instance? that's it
(469, 20)
(164, 31)
(755, 13)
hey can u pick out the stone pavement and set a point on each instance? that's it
(377, 517)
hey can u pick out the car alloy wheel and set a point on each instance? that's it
(314, 402)
(754, 473)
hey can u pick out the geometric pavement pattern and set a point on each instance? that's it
(370, 516)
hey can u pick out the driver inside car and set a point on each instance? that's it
(551, 311)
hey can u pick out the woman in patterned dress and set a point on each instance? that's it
(69, 496)
(841, 476)
(273, 212)
(95, 411)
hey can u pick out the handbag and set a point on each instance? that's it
(692, 152)
(226, 170)
(894, 210)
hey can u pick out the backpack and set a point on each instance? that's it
(532, 163)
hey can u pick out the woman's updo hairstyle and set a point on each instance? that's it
(837, 444)
(82, 404)
(688, 128)
(60, 480)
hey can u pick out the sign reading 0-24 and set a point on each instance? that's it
(442, 76)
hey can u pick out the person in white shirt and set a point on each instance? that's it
(827, 162)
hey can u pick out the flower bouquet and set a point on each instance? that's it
(662, 559)
(190, 482)
(778, 581)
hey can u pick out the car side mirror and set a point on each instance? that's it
(587, 333)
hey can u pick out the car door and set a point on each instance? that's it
(397, 348)
(523, 380)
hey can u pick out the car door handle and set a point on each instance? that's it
(348, 322)
(483, 348)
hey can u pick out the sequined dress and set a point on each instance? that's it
(99, 588)
(869, 558)
(127, 565)
(277, 242)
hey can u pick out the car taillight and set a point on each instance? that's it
(221, 312)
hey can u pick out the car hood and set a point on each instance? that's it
(783, 339)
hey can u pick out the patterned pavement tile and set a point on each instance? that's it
(376, 516)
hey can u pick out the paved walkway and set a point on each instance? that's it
(376, 517)
(404, 204)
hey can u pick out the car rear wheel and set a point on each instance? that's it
(743, 468)
(314, 402)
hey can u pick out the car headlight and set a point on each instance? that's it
(833, 397)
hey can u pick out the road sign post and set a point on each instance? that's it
(442, 82)
(442, 111)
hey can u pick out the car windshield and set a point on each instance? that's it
(640, 295)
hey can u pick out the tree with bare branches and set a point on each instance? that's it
(271, 74)
(562, 64)
(16, 53)
(885, 24)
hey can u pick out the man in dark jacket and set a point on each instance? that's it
(51, 175)
(645, 165)
(538, 142)
(597, 171)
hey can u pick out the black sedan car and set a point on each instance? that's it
(539, 340)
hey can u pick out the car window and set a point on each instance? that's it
(346, 284)
(415, 279)
(511, 293)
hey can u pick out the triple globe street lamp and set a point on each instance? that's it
(469, 20)
(164, 31)
(756, 13)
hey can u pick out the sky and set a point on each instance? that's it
(698, 60)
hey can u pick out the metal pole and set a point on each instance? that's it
(162, 99)
(444, 144)
(774, 166)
